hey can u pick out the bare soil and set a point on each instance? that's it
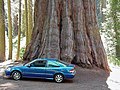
(85, 79)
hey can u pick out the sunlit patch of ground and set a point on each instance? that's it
(113, 80)
(7, 86)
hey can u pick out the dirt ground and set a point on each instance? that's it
(85, 79)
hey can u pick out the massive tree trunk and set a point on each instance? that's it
(67, 29)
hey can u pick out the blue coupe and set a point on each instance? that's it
(43, 68)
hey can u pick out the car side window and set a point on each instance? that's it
(60, 64)
(40, 63)
(52, 64)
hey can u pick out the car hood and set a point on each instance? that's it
(15, 65)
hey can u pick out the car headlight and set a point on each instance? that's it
(8, 69)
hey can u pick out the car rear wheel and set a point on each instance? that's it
(59, 78)
(16, 75)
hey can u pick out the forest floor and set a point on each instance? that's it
(85, 79)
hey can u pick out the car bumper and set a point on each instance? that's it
(7, 73)
(70, 75)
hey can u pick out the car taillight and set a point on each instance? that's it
(72, 70)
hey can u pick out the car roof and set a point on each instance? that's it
(48, 59)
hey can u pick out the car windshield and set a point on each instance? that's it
(27, 63)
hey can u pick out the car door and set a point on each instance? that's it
(35, 69)
(52, 68)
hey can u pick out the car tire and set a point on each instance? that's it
(16, 75)
(58, 78)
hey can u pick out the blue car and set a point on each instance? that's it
(54, 69)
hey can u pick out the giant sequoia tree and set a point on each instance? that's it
(67, 29)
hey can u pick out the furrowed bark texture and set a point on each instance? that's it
(67, 30)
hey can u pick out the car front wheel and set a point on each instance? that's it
(59, 78)
(16, 75)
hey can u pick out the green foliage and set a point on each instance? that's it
(22, 51)
(15, 41)
(111, 30)
(114, 60)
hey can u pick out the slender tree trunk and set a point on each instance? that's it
(26, 22)
(103, 6)
(23, 23)
(2, 31)
(19, 32)
(15, 25)
(30, 19)
(9, 29)
(67, 30)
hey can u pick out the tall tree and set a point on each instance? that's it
(2, 31)
(30, 20)
(19, 32)
(26, 22)
(102, 6)
(15, 25)
(23, 24)
(9, 29)
(67, 29)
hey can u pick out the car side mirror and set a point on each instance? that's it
(29, 65)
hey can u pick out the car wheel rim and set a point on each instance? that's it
(59, 78)
(16, 75)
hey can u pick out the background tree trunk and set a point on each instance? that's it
(2, 31)
(19, 32)
(23, 24)
(30, 20)
(67, 29)
(26, 22)
(15, 25)
(9, 29)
